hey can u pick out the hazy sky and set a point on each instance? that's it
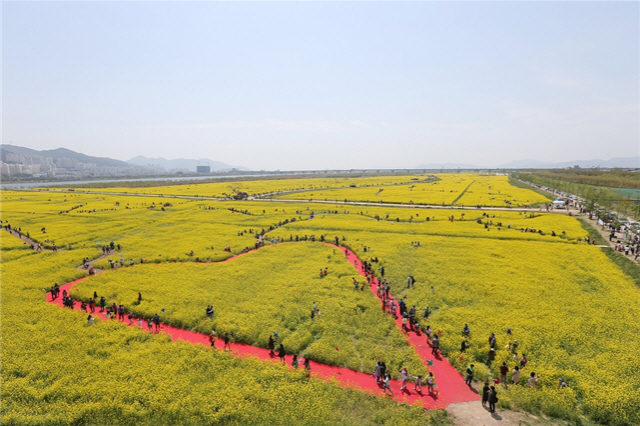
(324, 85)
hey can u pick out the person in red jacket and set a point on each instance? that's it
(503, 373)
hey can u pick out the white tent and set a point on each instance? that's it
(558, 203)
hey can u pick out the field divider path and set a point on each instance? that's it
(313, 201)
(453, 203)
(450, 384)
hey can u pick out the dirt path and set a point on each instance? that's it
(33, 243)
(26, 239)
(604, 232)
(593, 222)
(474, 414)
(91, 263)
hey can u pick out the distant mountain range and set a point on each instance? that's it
(622, 162)
(183, 164)
(436, 166)
(180, 164)
(61, 153)
(189, 165)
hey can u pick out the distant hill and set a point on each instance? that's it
(528, 164)
(61, 153)
(183, 163)
(623, 162)
(438, 166)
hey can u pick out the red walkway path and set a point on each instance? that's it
(450, 384)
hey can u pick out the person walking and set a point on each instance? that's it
(294, 361)
(491, 356)
(515, 375)
(156, 322)
(227, 341)
(503, 373)
(485, 393)
(271, 345)
(435, 345)
(431, 382)
(404, 375)
(493, 399)
(307, 366)
(213, 338)
(418, 384)
(386, 384)
(378, 372)
(469, 378)
(281, 352)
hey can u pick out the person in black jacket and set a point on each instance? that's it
(493, 398)
(485, 394)
(272, 345)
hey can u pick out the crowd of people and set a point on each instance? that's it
(113, 312)
(409, 321)
(624, 239)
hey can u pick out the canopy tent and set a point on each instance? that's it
(559, 203)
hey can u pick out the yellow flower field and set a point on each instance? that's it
(497, 191)
(571, 309)
(549, 291)
(146, 231)
(58, 370)
(462, 189)
(259, 186)
(443, 191)
(459, 189)
(271, 290)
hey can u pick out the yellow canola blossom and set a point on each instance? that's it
(258, 186)
(464, 189)
(571, 309)
(459, 189)
(265, 292)
(498, 191)
(58, 370)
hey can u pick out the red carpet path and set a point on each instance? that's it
(450, 386)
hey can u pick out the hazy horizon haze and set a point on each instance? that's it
(324, 85)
